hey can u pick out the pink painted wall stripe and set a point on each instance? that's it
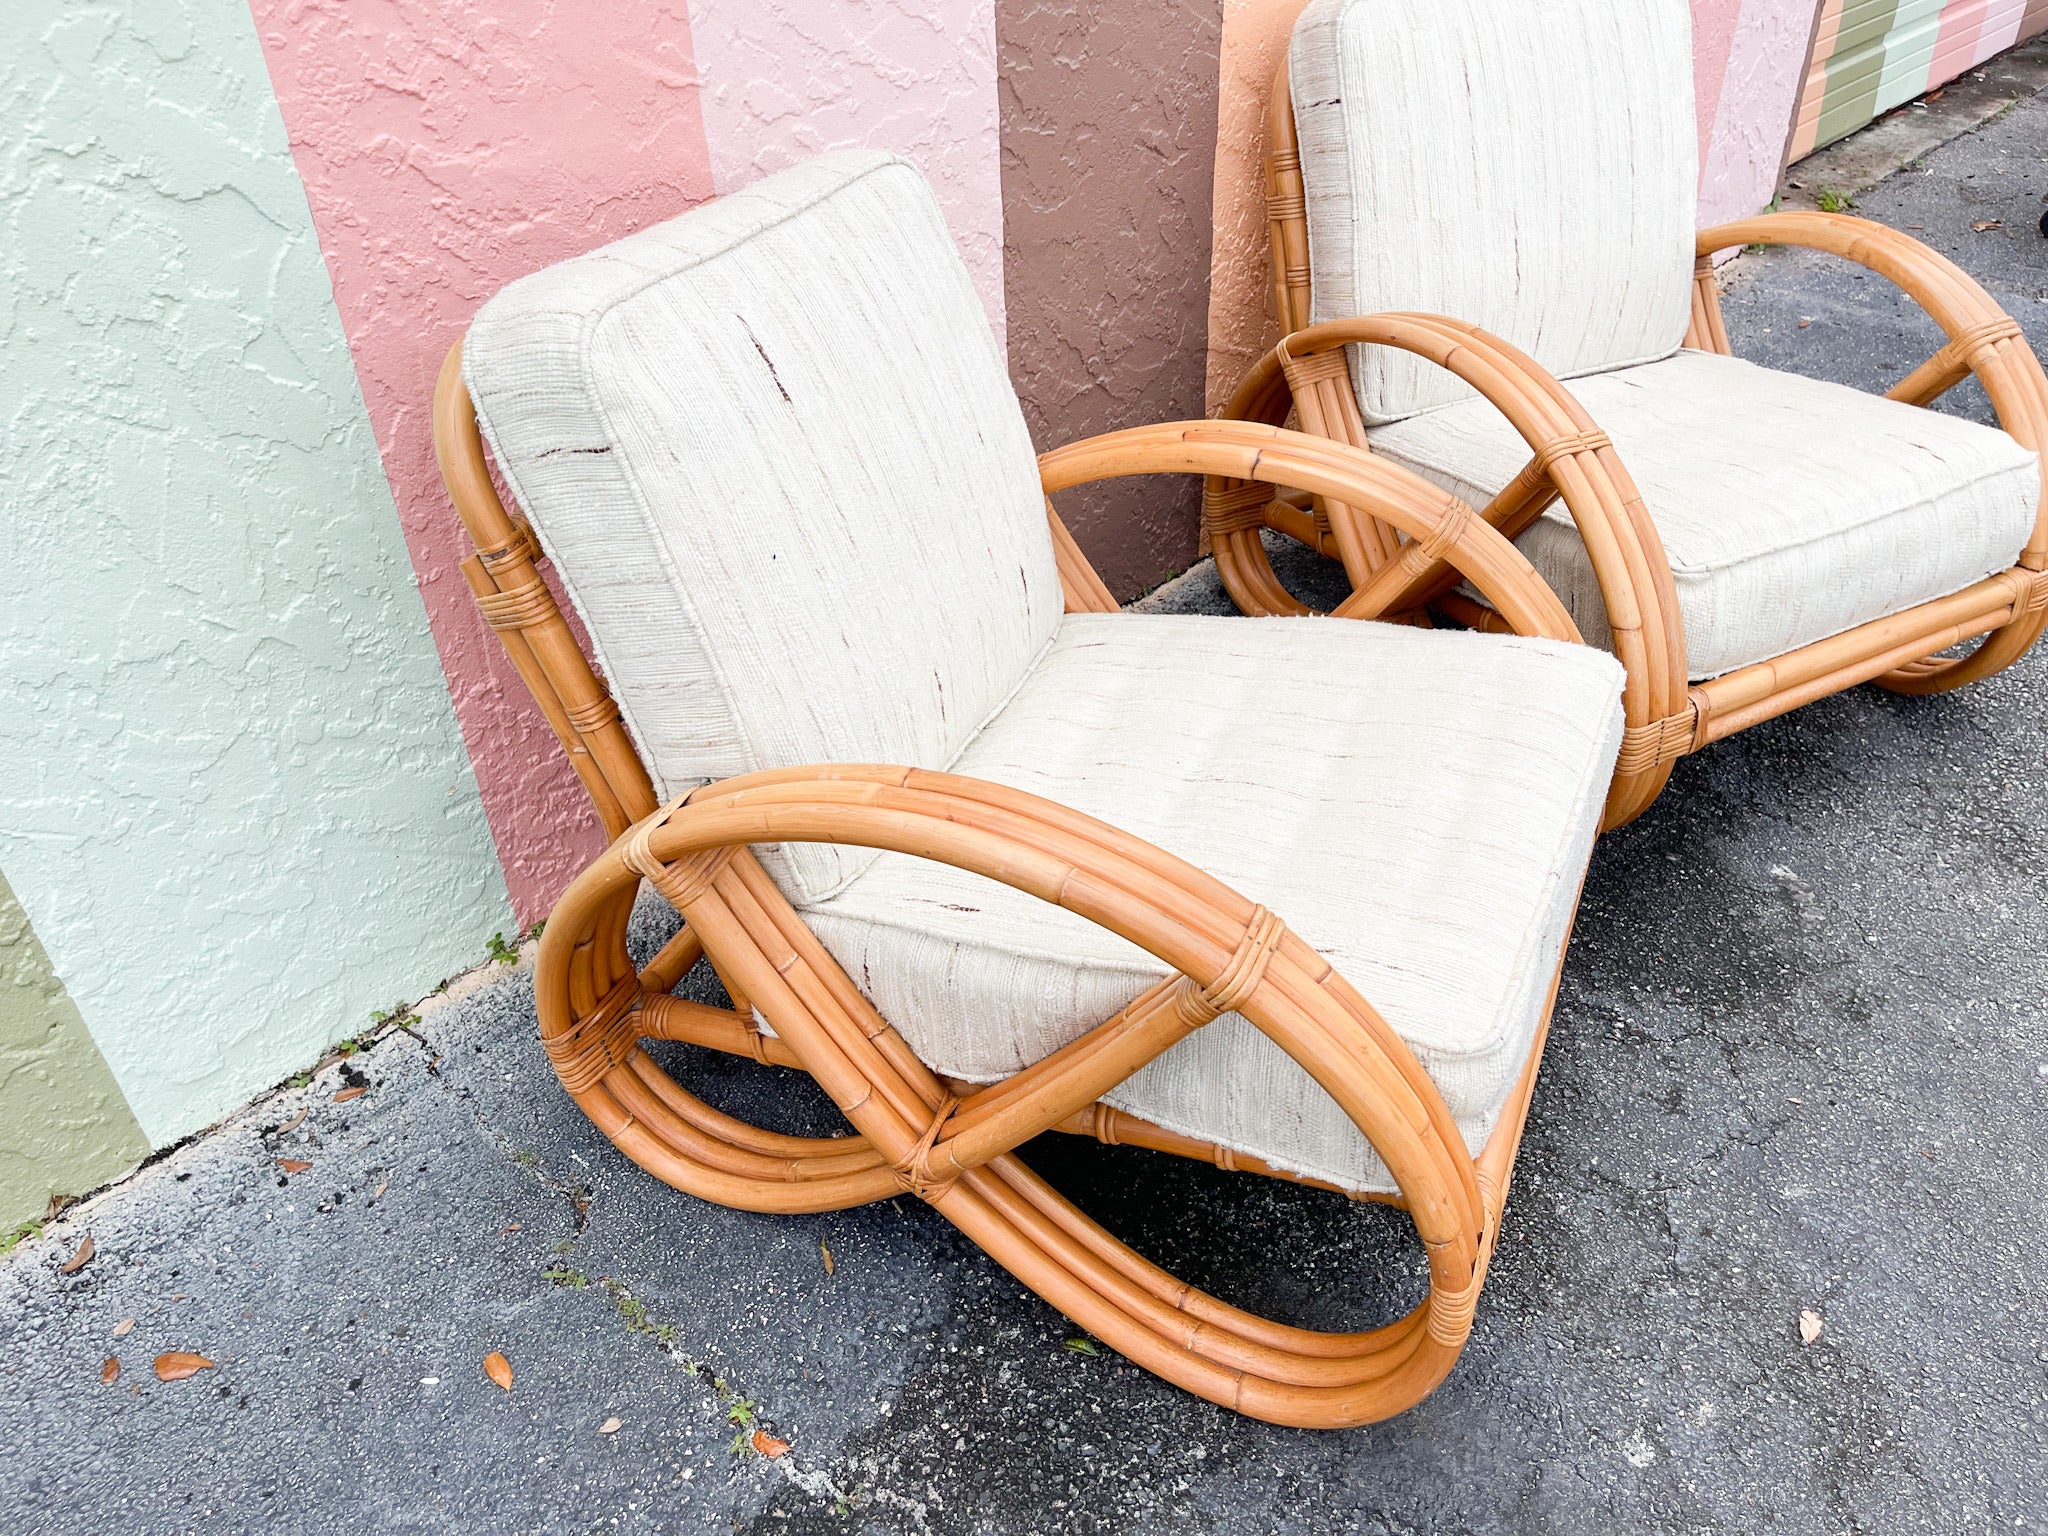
(1761, 77)
(1955, 44)
(1714, 25)
(445, 150)
(2000, 28)
(784, 79)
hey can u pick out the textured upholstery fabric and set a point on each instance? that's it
(1790, 509)
(1417, 805)
(1527, 165)
(775, 455)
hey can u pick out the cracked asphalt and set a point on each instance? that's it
(1799, 1064)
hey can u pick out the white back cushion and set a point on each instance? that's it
(1526, 165)
(773, 452)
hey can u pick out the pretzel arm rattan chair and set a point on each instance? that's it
(1026, 962)
(1794, 538)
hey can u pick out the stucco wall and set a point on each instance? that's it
(1109, 135)
(232, 797)
(1747, 118)
(783, 79)
(447, 147)
(262, 766)
(64, 1127)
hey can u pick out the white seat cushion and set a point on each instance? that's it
(1790, 509)
(1417, 805)
(775, 454)
(1525, 165)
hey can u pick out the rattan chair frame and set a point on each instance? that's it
(1572, 461)
(955, 1144)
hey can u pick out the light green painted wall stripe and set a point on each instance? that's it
(1908, 52)
(1855, 67)
(64, 1127)
(233, 800)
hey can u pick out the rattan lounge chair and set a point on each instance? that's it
(1530, 169)
(772, 454)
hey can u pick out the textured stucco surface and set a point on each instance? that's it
(783, 79)
(448, 147)
(1742, 145)
(64, 1127)
(1241, 322)
(1714, 27)
(232, 797)
(1109, 135)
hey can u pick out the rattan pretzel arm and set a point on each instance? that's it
(915, 1134)
(1244, 454)
(1982, 340)
(1570, 458)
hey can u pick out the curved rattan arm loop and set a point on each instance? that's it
(1569, 456)
(1982, 339)
(1440, 526)
(1228, 948)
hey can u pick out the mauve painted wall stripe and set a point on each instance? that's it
(447, 147)
(1109, 143)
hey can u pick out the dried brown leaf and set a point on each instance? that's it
(827, 1252)
(292, 1124)
(510, 1226)
(110, 1370)
(499, 1369)
(178, 1364)
(57, 1204)
(768, 1445)
(1810, 1326)
(378, 1192)
(291, 1164)
(611, 1426)
(351, 1093)
(124, 1327)
(1981, 225)
(78, 1260)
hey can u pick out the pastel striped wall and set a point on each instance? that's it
(447, 147)
(1872, 55)
(233, 802)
